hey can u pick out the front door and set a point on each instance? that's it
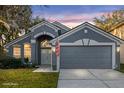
(46, 56)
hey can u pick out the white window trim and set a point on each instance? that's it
(16, 46)
(33, 41)
(44, 23)
(24, 48)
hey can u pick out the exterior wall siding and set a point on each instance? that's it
(21, 43)
(54, 60)
(119, 32)
(46, 29)
(35, 49)
(81, 35)
(10, 51)
(62, 30)
(41, 29)
(118, 59)
(122, 53)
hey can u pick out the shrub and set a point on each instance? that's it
(27, 63)
(2, 52)
(10, 62)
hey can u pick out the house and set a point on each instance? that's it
(118, 29)
(85, 46)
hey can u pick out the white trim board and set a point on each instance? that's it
(44, 23)
(44, 33)
(112, 36)
(90, 26)
(17, 40)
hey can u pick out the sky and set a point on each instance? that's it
(73, 15)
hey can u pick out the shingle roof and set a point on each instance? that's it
(113, 36)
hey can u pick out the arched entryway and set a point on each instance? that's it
(44, 50)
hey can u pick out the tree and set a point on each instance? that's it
(4, 28)
(36, 21)
(17, 17)
(106, 21)
(2, 52)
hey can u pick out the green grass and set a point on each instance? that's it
(25, 78)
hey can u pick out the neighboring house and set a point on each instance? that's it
(118, 30)
(85, 46)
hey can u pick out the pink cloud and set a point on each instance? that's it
(73, 19)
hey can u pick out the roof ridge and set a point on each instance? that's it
(87, 23)
(56, 23)
(23, 36)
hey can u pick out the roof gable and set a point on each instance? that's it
(86, 24)
(94, 28)
(17, 40)
(44, 22)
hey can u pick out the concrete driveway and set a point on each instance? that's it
(90, 78)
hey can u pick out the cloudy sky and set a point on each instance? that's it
(73, 15)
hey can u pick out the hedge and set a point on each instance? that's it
(10, 62)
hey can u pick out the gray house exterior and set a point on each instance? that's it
(85, 46)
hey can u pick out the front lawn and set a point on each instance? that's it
(25, 78)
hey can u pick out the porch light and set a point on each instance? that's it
(118, 49)
(53, 49)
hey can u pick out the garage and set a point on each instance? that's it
(86, 57)
(87, 47)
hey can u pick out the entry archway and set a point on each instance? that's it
(44, 50)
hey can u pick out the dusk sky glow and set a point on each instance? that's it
(73, 15)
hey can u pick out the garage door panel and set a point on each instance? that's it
(86, 57)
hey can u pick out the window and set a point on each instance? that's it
(17, 51)
(45, 43)
(27, 51)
